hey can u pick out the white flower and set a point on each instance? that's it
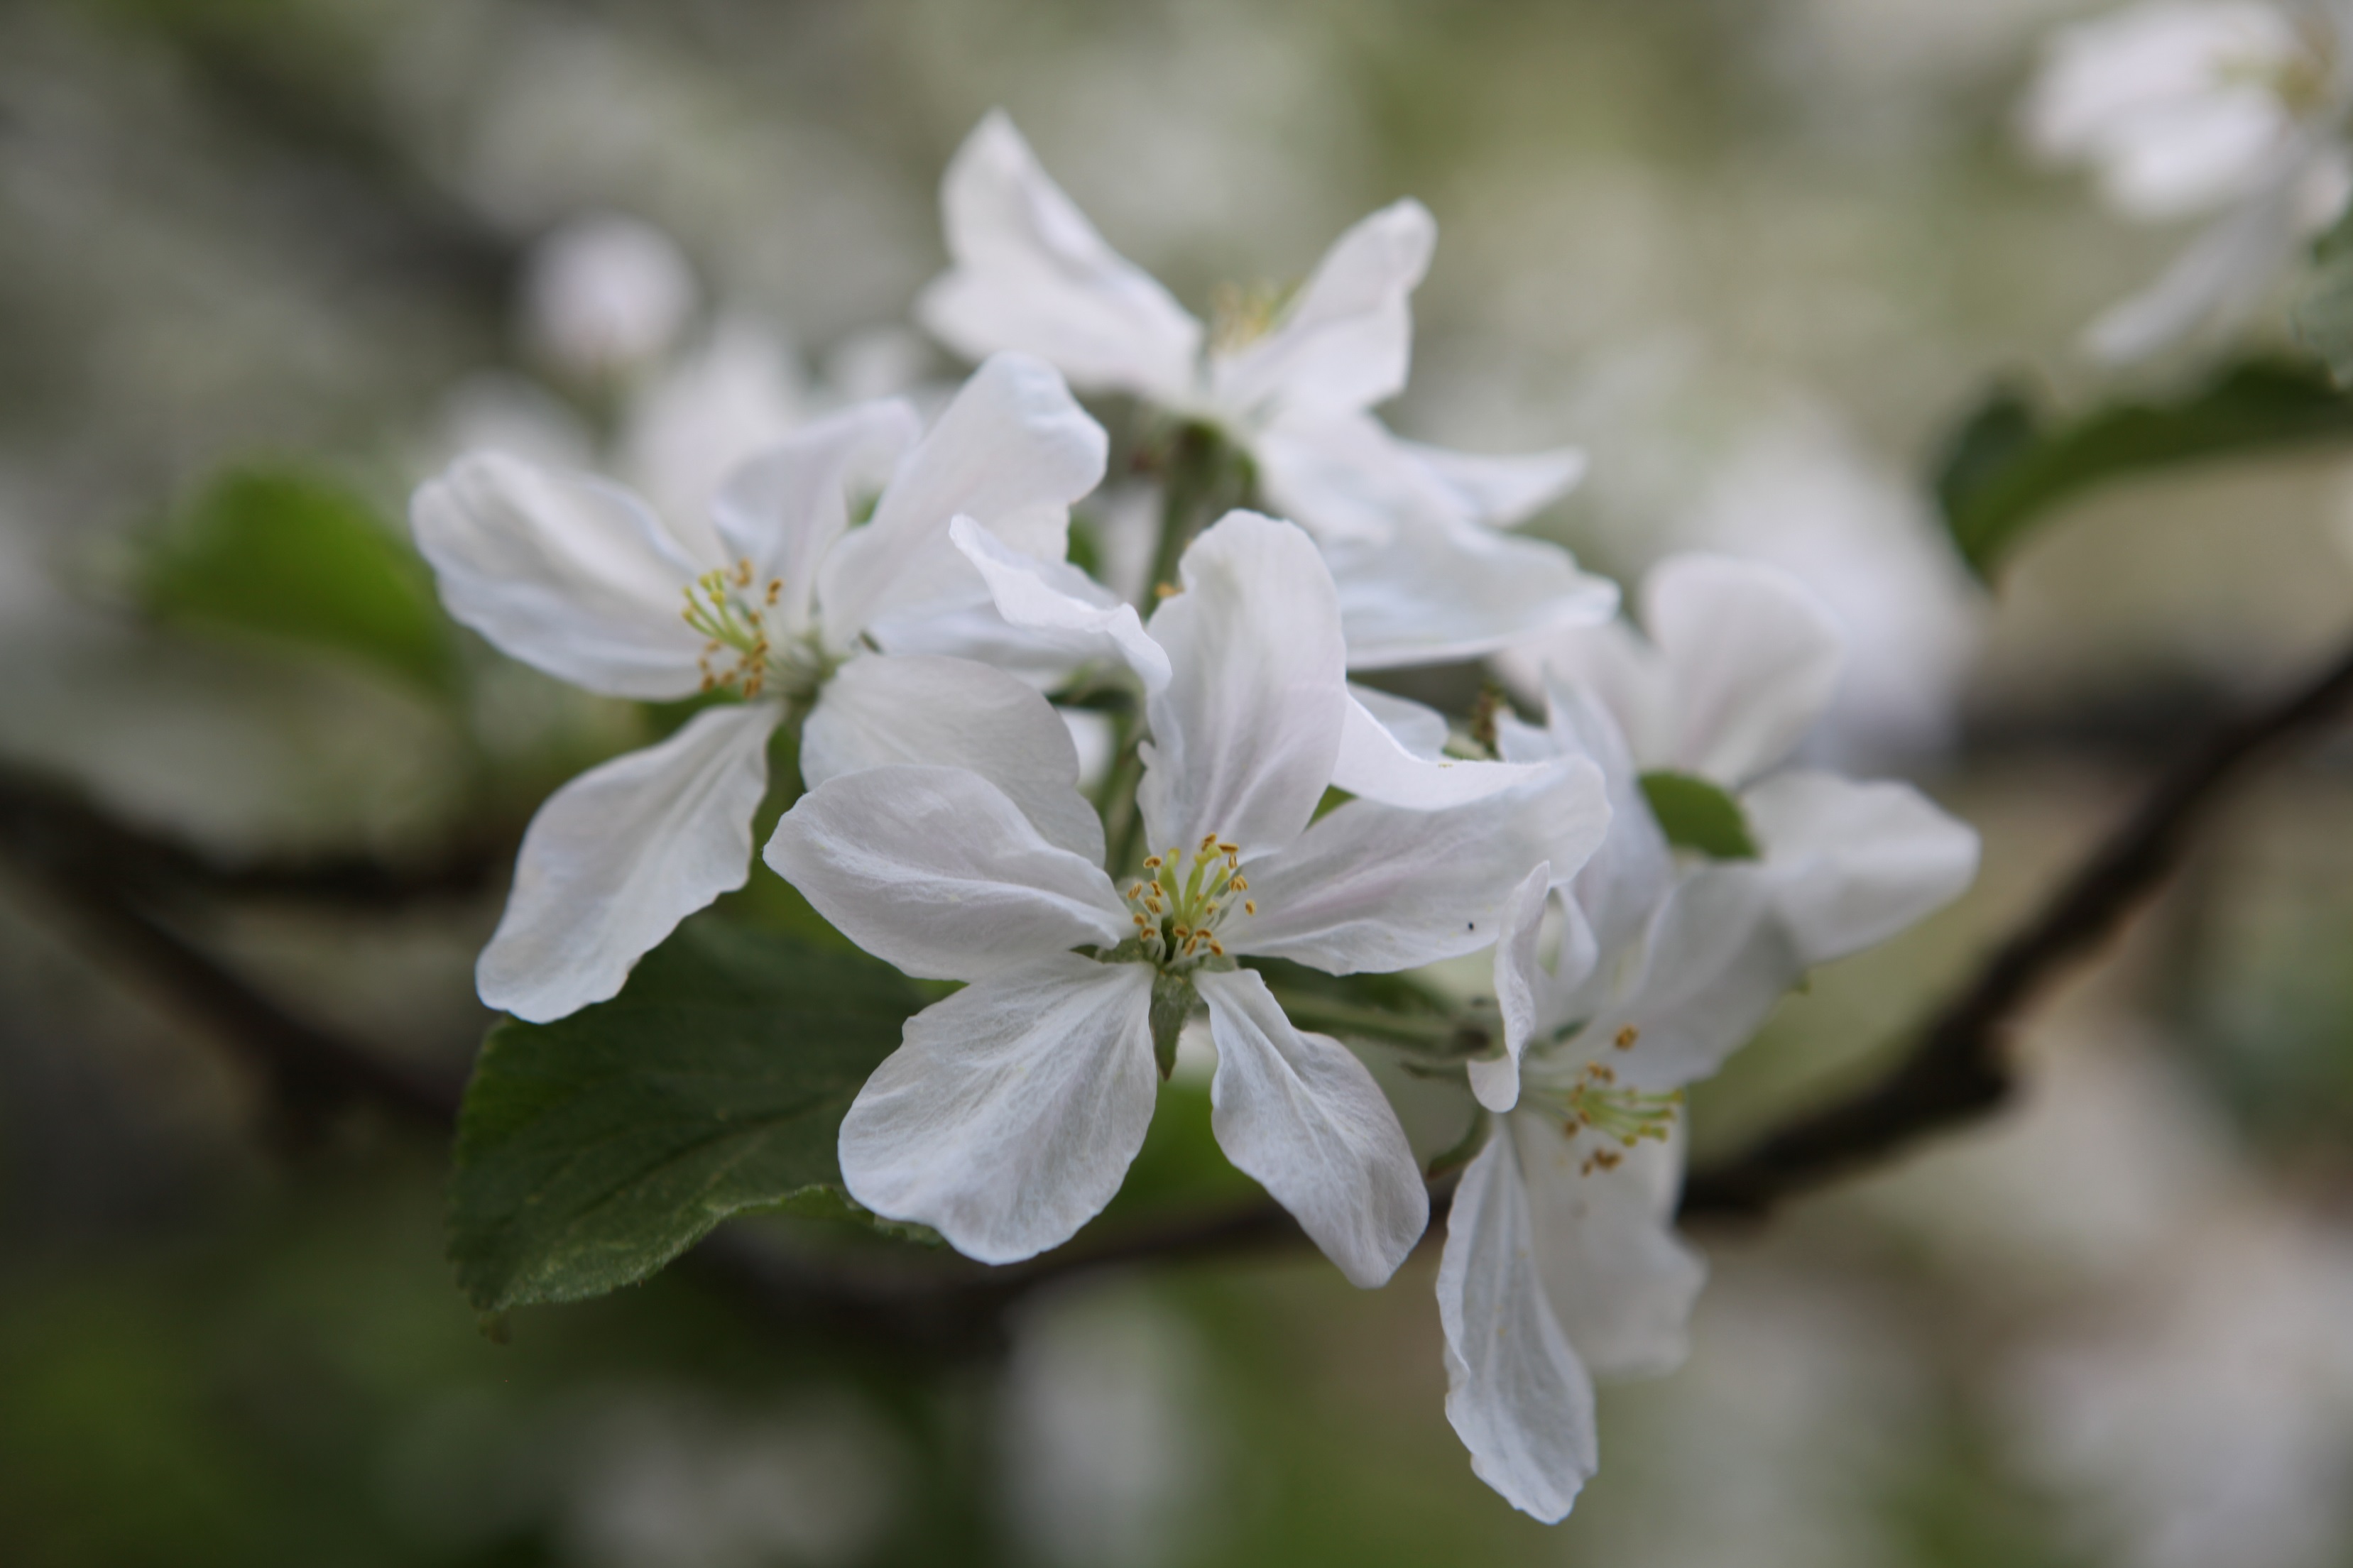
(1420, 579)
(777, 599)
(1010, 1113)
(604, 293)
(1561, 1260)
(2183, 107)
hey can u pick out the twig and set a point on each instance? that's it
(1961, 1068)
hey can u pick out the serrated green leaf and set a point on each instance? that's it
(1696, 815)
(593, 1150)
(286, 554)
(2009, 467)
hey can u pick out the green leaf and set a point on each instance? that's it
(1696, 815)
(593, 1150)
(289, 555)
(2323, 316)
(2008, 466)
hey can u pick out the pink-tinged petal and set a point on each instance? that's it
(1515, 1392)
(1245, 733)
(1012, 1110)
(1304, 1118)
(1030, 273)
(616, 859)
(937, 870)
(950, 712)
(562, 571)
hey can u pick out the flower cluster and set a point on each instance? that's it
(902, 602)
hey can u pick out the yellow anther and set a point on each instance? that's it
(1229, 849)
(776, 589)
(1626, 1037)
(1250, 905)
(1209, 841)
(1151, 862)
(1164, 590)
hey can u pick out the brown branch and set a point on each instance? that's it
(1961, 1068)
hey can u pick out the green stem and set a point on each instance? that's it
(1205, 476)
(1433, 1033)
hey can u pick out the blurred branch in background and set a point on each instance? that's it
(119, 884)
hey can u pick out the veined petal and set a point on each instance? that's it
(616, 859)
(1852, 864)
(1012, 452)
(1715, 960)
(1347, 339)
(1438, 591)
(1059, 602)
(1752, 657)
(1010, 1113)
(1515, 1393)
(1031, 273)
(1245, 733)
(782, 509)
(564, 572)
(1374, 765)
(1622, 1282)
(1302, 1117)
(1497, 1084)
(953, 713)
(1501, 491)
(938, 871)
(1380, 887)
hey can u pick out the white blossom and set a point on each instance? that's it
(1561, 1261)
(603, 294)
(1294, 385)
(2228, 109)
(772, 598)
(1010, 1113)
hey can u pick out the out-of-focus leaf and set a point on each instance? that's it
(2010, 466)
(2323, 316)
(1696, 815)
(288, 555)
(593, 1150)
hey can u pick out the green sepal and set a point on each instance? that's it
(1172, 1003)
(1698, 815)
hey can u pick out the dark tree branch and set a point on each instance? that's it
(1960, 1068)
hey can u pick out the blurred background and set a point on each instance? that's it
(264, 264)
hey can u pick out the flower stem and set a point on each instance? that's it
(1205, 475)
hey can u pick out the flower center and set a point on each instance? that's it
(1183, 898)
(741, 652)
(1596, 1102)
(1239, 317)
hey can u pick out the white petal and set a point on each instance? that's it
(616, 859)
(1010, 1114)
(1852, 864)
(1421, 730)
(563, 571)
(1620, 1279)
(1435, 592)
(950, 712)
(1380, 887)
(1012, 452)
(1715, 960)
(1374, 765)
(2213, 285)
(1497, 1084)
(687, 428)
(1057, 600)
(1515, 1393)
(1614, 666)
(1630, 873)
(1347, 339)
(1031, 273)
(1245, 733)
(1752, 656)
(938, 871)
(782, 509)
(1502, 490)
(1302, 1116)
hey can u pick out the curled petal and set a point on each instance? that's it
(1031, 273)
(1009, 1115)
(938, 871)
(954, 713)
(1056, 601)
(1347, 339)
(564, 572)
(1304, 1118)
(1245, 733)
(1515, 1393)
(1495, 1084)
(1375, 764)
(617, 858)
